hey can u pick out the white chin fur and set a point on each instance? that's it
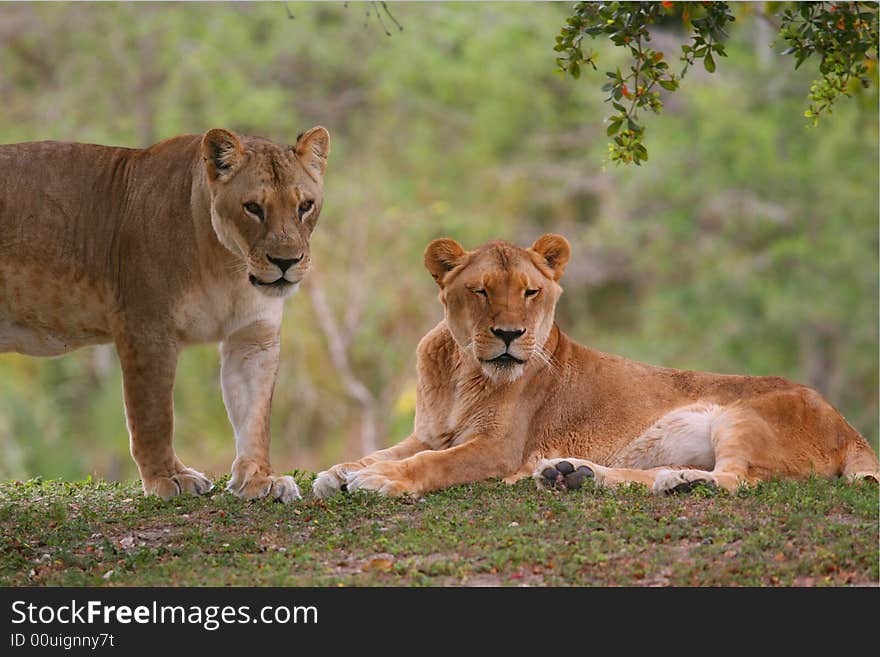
(505, 374)
(279, 292)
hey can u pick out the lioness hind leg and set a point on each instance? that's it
(148, 380)
(740, 438)
(571, 473)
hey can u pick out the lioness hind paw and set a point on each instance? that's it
(563, 475)
(688, 486)
(674, 482)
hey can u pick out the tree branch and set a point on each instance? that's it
(338, 347)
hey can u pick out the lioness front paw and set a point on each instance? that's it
(562, 473)
(183, 481)
(384, 478)
(251, 481)
(681, 481)
(329, 482)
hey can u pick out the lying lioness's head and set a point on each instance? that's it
(500, 299)
(266, 199)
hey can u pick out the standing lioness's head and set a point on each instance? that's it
(266, 198)
(500, 299)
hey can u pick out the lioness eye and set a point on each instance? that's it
(255, 210)
(481, 292)
(305, 207)
(531, 293)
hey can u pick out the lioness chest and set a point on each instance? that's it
(209, 312)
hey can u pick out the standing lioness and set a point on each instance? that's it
(502, 392)
(196, 239)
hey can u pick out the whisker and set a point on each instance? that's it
(546, 358)
(236, 267)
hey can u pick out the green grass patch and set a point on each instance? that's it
(96, 533)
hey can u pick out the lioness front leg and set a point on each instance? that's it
(249, 365)
(475, 460)
(328, 482)
(148, 368)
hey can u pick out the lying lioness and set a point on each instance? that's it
(502, 392)
(196, 239)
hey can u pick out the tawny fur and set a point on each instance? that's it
(628, 421)
(154, 249)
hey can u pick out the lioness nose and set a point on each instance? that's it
(283, 263)
(507, 335)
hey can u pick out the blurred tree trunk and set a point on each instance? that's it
(762, 37)
(149, 81)
(339, 340)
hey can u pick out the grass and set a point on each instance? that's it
(96, 533)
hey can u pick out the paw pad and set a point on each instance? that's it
(564, 475)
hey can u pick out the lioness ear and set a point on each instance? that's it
(222, 152)
(442, 256)
(313, 147)
(553, 251)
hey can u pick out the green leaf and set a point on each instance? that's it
(669, 85)
(709, 62)
(613, 127)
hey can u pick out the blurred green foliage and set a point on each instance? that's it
(749, 246)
